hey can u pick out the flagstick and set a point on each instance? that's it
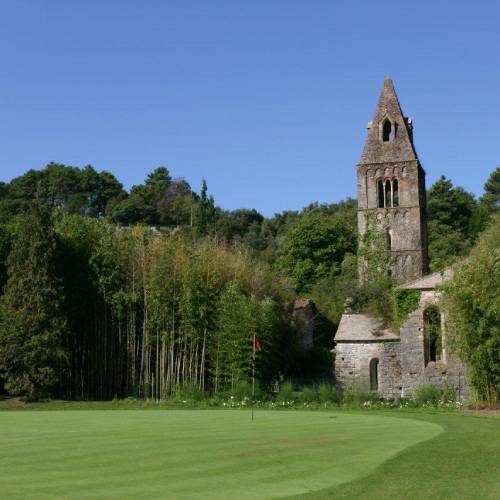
(253, 375)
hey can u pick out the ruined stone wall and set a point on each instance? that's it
(412, 351)
(402, 361)
(447, 372)
(352, 366)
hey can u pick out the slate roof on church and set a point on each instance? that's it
(363, 328)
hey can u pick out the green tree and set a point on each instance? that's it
(205, 214)
(176, 206)
(133, 209)
(472, 300)
(240, 317)
(232, 347)
(69, 189)
(32, 323)
(453, 224)
(143, 203)
(491, 197)
(103, 188)
(329, 294)
(242, 226)
(315, 247)
(374, 294)
(157, 184)
(5, 245)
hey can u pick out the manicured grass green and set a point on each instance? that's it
(463, 462)
(189, 453)
(222, 454)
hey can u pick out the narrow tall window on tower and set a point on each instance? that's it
(387, 131)
(395, 193)
(380, 188)
(388, 239)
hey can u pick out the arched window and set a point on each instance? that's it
(395, 193)
(380, 187)
(387, 131)
(388, 240)
(374, 374)
(432, 334)
(388, 193)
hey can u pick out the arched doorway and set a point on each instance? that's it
(374, 374)
(433, 348)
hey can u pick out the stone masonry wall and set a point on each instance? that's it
(352, 366)
(412, 351)
(450, 374)
(405, 222)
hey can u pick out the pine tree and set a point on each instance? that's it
(491, 197)
(204, 219)
(32, 325)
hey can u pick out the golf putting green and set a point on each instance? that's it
(193, 453)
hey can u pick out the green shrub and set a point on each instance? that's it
(449, 395)
(308, 394)
(186, 392)
(242, 390)
(427, 394)
(355, 395)
(286, 392)
(404, 302)
(327, 393)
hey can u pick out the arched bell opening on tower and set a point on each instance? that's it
(380, 189)
(395, 193)
(387, 193)
(387, 131)
(387, 189)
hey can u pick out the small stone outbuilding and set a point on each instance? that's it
(367, 356)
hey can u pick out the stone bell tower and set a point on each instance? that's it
(391, 188)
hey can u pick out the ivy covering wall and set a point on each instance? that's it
(403, 303)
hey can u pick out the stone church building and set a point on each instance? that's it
(391, 189)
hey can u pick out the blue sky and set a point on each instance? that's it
(268, 100)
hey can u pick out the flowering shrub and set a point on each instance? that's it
(313, 397)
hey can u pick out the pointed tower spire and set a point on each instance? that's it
(390, 135)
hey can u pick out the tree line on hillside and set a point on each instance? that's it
(111, 293)
(455, 216)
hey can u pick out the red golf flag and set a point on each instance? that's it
(256, 343)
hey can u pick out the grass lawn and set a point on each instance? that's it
(222, 454)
